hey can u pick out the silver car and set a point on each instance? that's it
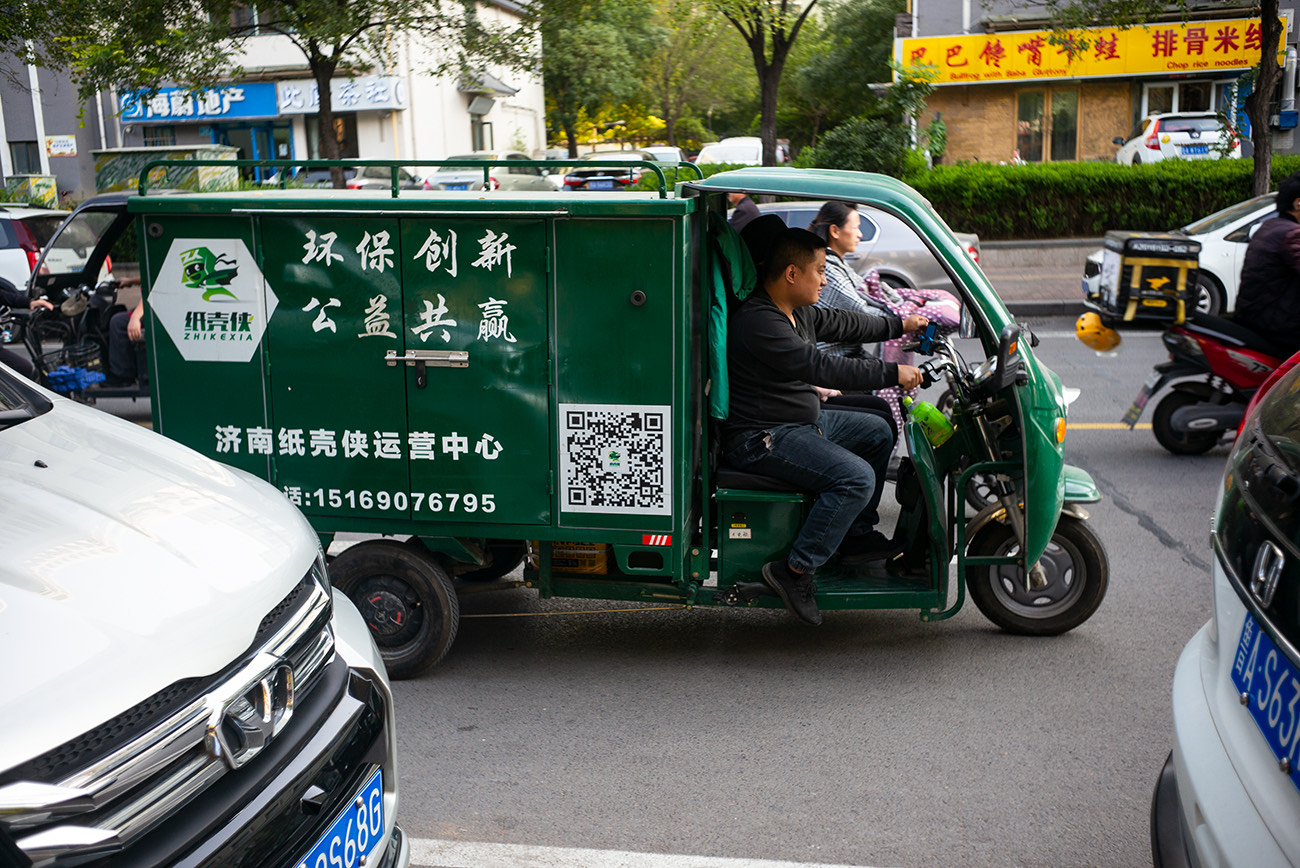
(887, 245)
(501, 175)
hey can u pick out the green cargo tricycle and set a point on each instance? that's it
(474, 375)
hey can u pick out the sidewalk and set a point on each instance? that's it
(1043, 278)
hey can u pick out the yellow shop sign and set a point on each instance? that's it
(1156, 49)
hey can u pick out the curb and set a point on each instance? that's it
(1045, 308)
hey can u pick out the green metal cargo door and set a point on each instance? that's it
(337, 428)
(476, 368)
(208, 306)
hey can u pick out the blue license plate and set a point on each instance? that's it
(355, 832)
(600, 185)
(1194, 150)
(1271, 685)
(455, 186)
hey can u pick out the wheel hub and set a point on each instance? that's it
(391, 610)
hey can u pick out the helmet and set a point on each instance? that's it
(1090, 330)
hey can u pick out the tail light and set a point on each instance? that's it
(27, 242)
(108, 266)
(974, 253)
(493, 183)
(1153, 141)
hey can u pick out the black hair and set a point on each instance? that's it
(795, 247)
(759, 235)
(832, 213)
(1287, 192)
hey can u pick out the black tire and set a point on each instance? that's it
(980, 492)
(1077, 576)
(503, 555)
(1209, 296)
(406, 598)
(1179, 442)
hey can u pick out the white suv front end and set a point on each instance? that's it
(181, 686)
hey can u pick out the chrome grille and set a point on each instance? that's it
(89, 802)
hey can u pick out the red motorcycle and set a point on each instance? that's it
(1215, 366)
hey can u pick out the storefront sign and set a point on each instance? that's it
(61, 146)
(1157, 49)
(368, 93)
(177, 105)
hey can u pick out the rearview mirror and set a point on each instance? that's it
(1118, 140)
(966, 325)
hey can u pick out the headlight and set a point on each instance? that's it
(320, 573)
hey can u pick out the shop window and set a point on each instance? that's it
(159, 137)
(1047, 125)
(1029, 125)
(1161, 98)
(345, 132)
(26, 158)
(480, 133)
(1196, 96)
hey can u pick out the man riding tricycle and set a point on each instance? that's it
(469, 376)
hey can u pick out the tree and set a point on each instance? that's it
(137, 45)
(1071, 14)
(855, 51)
(594, 56)
(688, 63)
(769, 28)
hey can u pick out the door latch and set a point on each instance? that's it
(419, 359)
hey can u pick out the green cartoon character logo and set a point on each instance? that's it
(202, 269)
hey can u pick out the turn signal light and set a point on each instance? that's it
(1060, 429)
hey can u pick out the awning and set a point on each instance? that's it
(486, 84)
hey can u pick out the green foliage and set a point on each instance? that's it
(863, 145)
(650, 183)
(1063, 200)
(594, 58)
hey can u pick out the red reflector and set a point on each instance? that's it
(656, 539)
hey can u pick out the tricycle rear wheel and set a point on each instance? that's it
(1077, 575)
(406, 598)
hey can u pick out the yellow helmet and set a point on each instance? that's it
(1090, 330)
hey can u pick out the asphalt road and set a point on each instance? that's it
(873, 740)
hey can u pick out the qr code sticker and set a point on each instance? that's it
(615, 458)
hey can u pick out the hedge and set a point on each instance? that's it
(1062, 200)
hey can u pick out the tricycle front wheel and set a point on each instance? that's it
(1077, 573)
(406, 598)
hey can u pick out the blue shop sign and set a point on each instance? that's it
(177, 105)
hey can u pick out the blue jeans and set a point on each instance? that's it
(841, 458)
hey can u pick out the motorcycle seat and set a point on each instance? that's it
(730, 477)
(1233, 332)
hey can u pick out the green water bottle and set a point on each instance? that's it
(938, 428)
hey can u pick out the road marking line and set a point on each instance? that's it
(1103, 426)
(470, 854)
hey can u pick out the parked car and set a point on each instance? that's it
(665, 153)
(1223, 236)
(617, 174)
(183, 687)
(502, 175)
(1177, 136)
(740, 150)
(23, 233)
(380, 178)
(887, 245)
(1229, 793)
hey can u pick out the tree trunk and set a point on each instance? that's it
(1267, 77)
(327, 141)
(770, 81)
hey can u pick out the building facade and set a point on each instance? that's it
(401, 113)
(1008, 89)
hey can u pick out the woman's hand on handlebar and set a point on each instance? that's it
(909, 376)
(915, 323)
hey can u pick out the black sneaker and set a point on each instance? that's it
(795, 590)
(868, 547)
